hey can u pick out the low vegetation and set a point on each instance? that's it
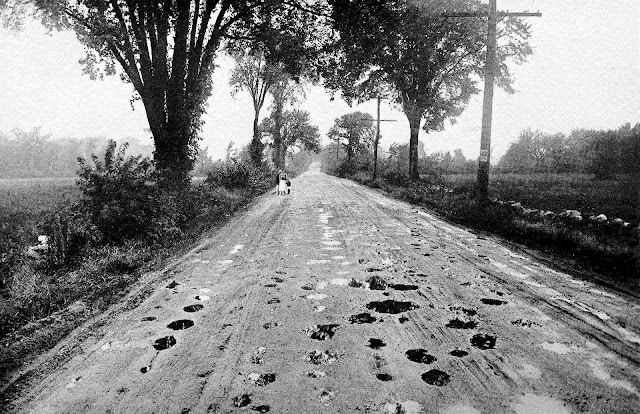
(103, 233)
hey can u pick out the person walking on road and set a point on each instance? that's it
(282, 183)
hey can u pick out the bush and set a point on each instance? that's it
(123, 201)
(240, 175)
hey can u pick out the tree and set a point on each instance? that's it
(166, 50)
(356, 130)
(253, 74)
(295, 131)
(431, 62)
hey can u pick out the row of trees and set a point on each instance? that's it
(30, 154)
(603, 153)
(409, 51)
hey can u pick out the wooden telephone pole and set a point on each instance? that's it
(489, 76)
(375, 145)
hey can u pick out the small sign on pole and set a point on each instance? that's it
(484, 155)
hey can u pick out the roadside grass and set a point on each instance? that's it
(612, 252)
(558, 192)
(38, 307)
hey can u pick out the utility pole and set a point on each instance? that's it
(375, 145)
(489, 77)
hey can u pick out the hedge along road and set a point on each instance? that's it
(336, 299)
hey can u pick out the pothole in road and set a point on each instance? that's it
(193, 308)
(270, 325)
(483, 341)
(497, 292)
(270, 285)
(458, 353)
(384, 377)
(261, 380)
(468, 312)
(146, 369)
(355, 283)
(173, 285)
(525, 323)
(403, 319)
(325, 357)
(364, 317)
(458, 324)
(391, 306)
(373, 269)
(278, 279)
(272, 301)
(148, 318)
(315, 374)
(322, 332)
(307, 287)
(180, 324)
(261, 408)
(164, 343)
(420, 356)
(494, 302)
(401, 286)
(363, 261)
(436, 377)
(326, 396)
(241, 400)
(377, 283)
(375, 343)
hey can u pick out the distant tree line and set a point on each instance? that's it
(31, 154)
(599, 152)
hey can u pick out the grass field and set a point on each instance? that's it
(36, 195)
(559, 192)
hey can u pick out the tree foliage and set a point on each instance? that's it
(166, 50)
(603, 153)
(431, 63)
(355, 131)
(295, 131)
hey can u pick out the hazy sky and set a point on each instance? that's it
(585, 72)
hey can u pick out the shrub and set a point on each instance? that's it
(240, 175)
(123, 201)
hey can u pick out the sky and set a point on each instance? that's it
(584, 73)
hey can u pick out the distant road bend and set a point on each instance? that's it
(337, 299)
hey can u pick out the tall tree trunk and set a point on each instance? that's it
(256, 147)
(278, 154)
(414, 117)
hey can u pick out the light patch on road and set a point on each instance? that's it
(559, 348)
(237, 248)
(345, 263)
(601, 373)
(321, 285)
(202, 297)
(539, 404)
(319, 308)
(225, 262)
(406, 407)
(331, 242)
(461, 409)
(338, 257)
(331, 248)
(628, 335)
(318, 261)
(343, 272)
(533, 283)
(600, 292)
(530, 371)
(205, 290)
(316, 296)
(340, 281)
(506, 269)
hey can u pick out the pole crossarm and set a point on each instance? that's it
(499, 14)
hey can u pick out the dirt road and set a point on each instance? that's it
(336, 299)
